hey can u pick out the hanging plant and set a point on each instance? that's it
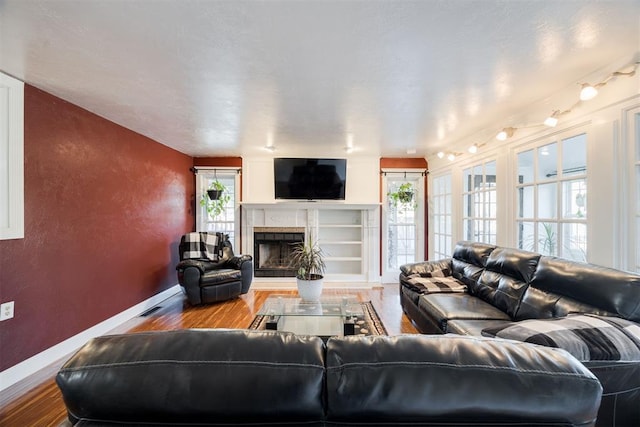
(215, 199)
(215, 190)
(403, 196)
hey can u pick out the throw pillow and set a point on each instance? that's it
(587, 337)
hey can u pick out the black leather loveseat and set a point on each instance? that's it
(591, 311)
(260, 378)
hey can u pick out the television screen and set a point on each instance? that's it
(310, 179)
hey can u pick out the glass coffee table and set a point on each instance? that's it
(325, 318)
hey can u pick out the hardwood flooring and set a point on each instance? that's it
(37, 401)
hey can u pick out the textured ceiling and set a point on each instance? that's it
(225, 77)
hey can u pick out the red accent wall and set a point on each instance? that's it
(104, 211)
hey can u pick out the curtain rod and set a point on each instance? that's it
(195, 169)
(405, 173)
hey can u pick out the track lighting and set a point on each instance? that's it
(505, 133)
(587, 92)
(551, 121)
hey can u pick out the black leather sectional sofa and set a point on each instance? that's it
(259, 378)
(591, 311)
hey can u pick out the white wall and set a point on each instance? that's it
(362, 180)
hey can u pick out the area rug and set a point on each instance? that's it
(367, 324)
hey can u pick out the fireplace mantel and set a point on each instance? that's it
(347, 232)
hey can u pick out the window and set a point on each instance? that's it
(226, 219)
(635, 134)
(441, 209)
(551, 198)
(401, 222)
(12, 158)
(479, 203)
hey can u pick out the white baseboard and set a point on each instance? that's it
(41, 360)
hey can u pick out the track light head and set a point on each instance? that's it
(505, 133)
(588, 92)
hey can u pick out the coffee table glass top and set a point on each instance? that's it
(329, 316)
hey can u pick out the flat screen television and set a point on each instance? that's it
(310, 179)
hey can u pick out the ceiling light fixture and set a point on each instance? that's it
(411, 151)
(505, 133)
(588, 92)
(349, 144)
(552, 120)
(270, 146)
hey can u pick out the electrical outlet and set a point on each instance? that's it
(6, 310)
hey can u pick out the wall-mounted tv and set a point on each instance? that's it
(310, 179)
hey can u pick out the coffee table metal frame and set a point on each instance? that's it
(330, 316)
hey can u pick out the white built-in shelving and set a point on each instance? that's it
(340, 235)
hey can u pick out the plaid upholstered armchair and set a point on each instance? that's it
(209, 271)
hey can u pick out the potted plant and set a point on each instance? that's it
(215, 199)
(403, 196)
(308, 260)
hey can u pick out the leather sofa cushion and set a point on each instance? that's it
(539, 304)
(468, 261)
(445, 307)
(472, 252)
(613, 291)
(505, 278)
(455, 380)
(474, 327)
(196, 376)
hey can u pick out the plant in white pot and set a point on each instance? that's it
(308, 260)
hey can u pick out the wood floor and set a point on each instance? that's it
(37, 401)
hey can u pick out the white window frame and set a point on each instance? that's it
(11, 158)
(482, 202)
(441, 209)
(391, 275)
(202, 218)
(559, 221)
(631, 240)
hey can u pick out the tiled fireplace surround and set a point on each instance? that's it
(283, 219)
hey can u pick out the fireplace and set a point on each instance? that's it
(272, 247)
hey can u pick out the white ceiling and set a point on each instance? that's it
(223, 77)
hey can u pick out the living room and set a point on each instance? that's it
(97, 249)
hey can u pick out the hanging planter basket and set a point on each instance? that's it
(405, 196)
(214, 194)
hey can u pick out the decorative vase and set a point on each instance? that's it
(310, 290)
(214, 194)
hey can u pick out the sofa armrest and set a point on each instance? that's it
(427, 267)
(202, 265)
(236, 261)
